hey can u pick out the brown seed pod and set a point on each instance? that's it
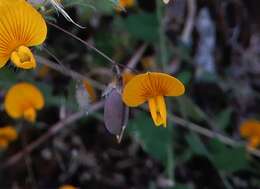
(114, 113)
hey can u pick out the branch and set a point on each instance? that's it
(211, 134)
(50, 133)
(66, 71)
(88, 45)
(186, 33)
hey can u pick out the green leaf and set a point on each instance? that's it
(185, 77)
(154, 140)
(223, 118)
(180, 186)
(7, 78)
(104, 6)
(143, 26)
(228, 159)
(196, 144)
(191, 109)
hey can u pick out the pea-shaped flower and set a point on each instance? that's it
(7, 135)
(126, 3)
(67, 187)
(23, 100)
(152, 87)
(250, 129)
(21, 27)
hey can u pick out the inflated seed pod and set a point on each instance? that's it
(114, 112)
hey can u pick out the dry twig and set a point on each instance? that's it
(51, 132)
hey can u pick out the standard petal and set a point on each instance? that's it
(137, 90)
(21, 97)
(20, 24)
(165, 84)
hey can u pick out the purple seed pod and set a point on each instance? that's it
(114, 112)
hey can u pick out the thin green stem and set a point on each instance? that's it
(162, 38)
(170, 162)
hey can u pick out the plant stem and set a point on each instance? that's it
(162, 38)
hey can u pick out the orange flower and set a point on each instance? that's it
(7, 135)
(152, 87)
(22, 100)
(67, 187)
(126, 3)
(3, 143)
(91, 91)
(21, 26)
(127, 76)
(250, 129)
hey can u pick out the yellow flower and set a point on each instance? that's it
(127, 76)
(91, 91)
(7, 135)
(250, 129)
(3, 143)
(67, 187)
(152, 87)
(21, 26)
(126, 3)
(22, 100)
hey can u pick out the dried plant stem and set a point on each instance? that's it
(188, 28)
(211, 134)
(78, 76)
(135, 58)
(76, 116)
(28, 162)
(162, 38)
(51, 132)
(88, 45)
(66, 71)
(83, 42)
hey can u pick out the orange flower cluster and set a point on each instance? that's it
(250, 129)
(22, 26)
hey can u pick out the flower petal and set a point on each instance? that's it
(23, 58)
(8, 133)
(165, 84)
(20, 97)
(29, 114)
(254, 142)
(158, 110)
(151, 84)
(137, 90)
(20, 24)
(250, 128)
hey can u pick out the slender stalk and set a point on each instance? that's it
(162, 37)
(66, 71)
(88, 45)
(170, 162)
